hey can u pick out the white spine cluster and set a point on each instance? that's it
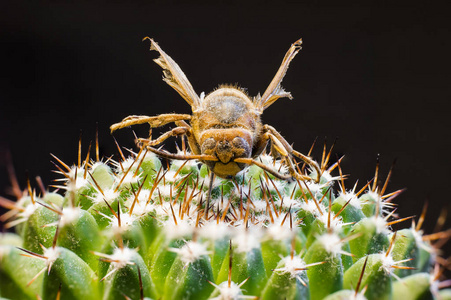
(294, 266)
(69, 215)
(191, 251)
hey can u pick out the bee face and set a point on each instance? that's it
(226, 144)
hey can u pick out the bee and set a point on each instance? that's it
(225, 130)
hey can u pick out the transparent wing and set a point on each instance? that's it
(275, 91)
(174, 76)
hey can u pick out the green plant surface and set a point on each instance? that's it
(135, 229)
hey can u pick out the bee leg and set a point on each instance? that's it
(168, 155)
(182, 129)
(194, 146)
(285, 150)
(277, 148)
(177, 131)
(250, 161)
(155, 121)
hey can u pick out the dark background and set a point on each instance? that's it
(377, 77)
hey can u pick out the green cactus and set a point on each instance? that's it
(132, 229)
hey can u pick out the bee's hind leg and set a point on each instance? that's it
(281, 146)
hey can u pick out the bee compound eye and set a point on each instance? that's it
(209, 144)
(240, 143)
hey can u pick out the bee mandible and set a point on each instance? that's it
(225, 130)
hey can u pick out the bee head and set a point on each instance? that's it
(226, 144)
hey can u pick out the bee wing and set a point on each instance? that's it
(174, 76)
(275, 91)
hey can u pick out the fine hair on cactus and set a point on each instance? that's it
(223, 218)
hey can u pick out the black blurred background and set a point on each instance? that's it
(375, 76)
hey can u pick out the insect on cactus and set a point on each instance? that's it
(223, 220)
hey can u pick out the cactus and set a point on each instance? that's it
(134, 229)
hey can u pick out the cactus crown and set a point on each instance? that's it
(135, 229)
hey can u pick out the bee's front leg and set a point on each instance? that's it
(250, 161)
(281, 146)
(177, 131)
